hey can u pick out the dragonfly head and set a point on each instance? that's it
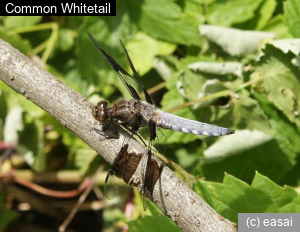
(100, 112)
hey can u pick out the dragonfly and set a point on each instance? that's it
(140, 111)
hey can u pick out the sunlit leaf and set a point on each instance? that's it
(84, 157)
(66, 39)
(244, 141)
(224, 68)
(176, 27)
(265, 12)
(281, 79)
(147, 224)
(16, 40)
(92, 65)
(7, 215)
(267, 158)
(243, 112)
(13, 124)
(21, 21)
(292, 16)
(32, 146)
(277, 26)
(262, 196)
(286, 45)
(229, 12)
(245, 42)
(142, 50)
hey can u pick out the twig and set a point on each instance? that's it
(54, 193)
(69, 176)
(219, 94)
(35, 202)
(81, 199)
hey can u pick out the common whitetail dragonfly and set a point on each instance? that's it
(135, 113)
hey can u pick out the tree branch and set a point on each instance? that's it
(170, 194)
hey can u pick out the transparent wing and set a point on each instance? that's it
(112, 183)
(160, 142)
(146, 173)
(136, 77)
(151, 170)
(132, 86)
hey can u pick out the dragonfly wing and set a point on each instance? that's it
(136, 77)
(111, 186)
(121, 72)
(147, 179)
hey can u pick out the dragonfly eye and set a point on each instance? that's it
(95, 112)
(100, 112)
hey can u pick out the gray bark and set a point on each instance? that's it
(175, 199)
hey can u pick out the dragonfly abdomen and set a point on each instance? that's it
(176, 123)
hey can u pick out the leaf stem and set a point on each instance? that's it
(157, 88)
(48, 44)
(214, 95)
(51, 42)
(27, 29)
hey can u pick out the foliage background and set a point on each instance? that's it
(226, 62)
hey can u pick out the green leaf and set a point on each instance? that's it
(7, 215)
(234, 196)
(286, 133)
(284, 200)
(177, 26)
(265, 13)
(244, 141)
(32, 146)
(233, 41)
(281, 80)
(16, 41)
(189, 84)
(229, 12)
(21, 21)
(218, 68)
(3, 105)
(84, 158)
(3, 113)
(292, 16)
(266, 157)
(144, 46)
(262, 16)
(172, 99)
(93, 65)
(157, 223)
(287, 45)
(243, 112)
(13, 124)
(76, 82)
(66, 39)
(277, 26)
(208, 88)
(165, 66)
(187, 156)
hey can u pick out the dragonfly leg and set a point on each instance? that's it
(111, 135)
